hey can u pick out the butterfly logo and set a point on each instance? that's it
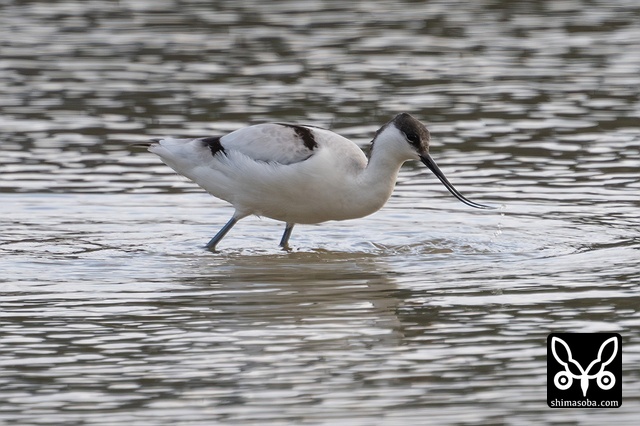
(573, 370)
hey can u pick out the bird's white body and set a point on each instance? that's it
(266, 171)
(298, 174)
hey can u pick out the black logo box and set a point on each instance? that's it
(584, 370)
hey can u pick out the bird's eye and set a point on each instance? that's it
(413, 138)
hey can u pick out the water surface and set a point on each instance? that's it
(427, 312)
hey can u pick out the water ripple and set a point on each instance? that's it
(112, 312)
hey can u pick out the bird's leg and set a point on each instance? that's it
(284, 242)
(211, 245)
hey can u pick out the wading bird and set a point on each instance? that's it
(300, 174)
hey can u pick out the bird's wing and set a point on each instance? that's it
(273, 142)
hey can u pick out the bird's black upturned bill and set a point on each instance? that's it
(428, 161)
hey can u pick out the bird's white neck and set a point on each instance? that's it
(378, 179)
(383, 166)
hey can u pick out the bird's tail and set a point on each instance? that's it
(146, 144)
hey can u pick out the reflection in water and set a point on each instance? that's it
(111, 311)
